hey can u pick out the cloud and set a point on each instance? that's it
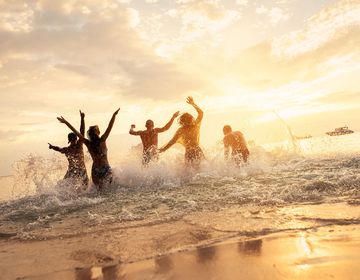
(275, 14)
(77, 46)
(342, 97)
(156, 79)
(258, 67)
(199, 18)
(329, 24)
(13, 135)
(93, 54)
(242, 2)
(16, 16)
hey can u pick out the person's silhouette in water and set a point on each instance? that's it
(149, 138)
(75, 156)
(236, 141)
(101, 173)
(189, 135)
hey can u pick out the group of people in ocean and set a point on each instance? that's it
(188, 135)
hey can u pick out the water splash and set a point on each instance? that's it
(164, 191)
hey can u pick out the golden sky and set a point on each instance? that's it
(240, 59)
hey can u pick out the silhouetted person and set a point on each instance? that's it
(75, 156)
(149, 138)
(101, 171)
(236, 141)
(189, 135)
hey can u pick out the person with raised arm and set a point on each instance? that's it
(236, 141)
(189, 135)
(75, 156)
(101, 173)
(149, 138)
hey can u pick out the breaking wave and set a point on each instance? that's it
(274, 177)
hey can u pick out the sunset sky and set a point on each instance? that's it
(241, 60)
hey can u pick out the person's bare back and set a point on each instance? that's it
(101, 173)
(236, 141)
(188, 135)
(75, 156)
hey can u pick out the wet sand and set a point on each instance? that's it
(327, 253)
(206, 245)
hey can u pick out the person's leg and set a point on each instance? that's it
(84, 179)
(193, 158)
(95, 177)
(68, 174)
(146, 158)
(236, 157)
(106, 176)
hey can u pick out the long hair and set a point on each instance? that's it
(92, 133)
(186, 119)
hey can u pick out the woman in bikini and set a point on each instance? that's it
(189, 135)
(101, 171)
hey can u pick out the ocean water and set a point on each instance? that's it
(315, 171)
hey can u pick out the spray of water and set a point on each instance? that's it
(293, 141)
(165, 190)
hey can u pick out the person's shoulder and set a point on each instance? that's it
(230, 135)
(198, 121)
(227, 137)
(238, 133)
(79, 144)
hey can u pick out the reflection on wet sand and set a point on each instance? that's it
(163, 264)
(97, 273)
(251, 247)
(321, 254)
(205, 254)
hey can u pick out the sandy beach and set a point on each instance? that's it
(203, 245)
(179, 140)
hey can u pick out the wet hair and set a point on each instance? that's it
(93, 132)
(186, 119)
(72, 137)
(227, 129)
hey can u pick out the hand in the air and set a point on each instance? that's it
(176, 114)
(116, 112)
(50, 146)
(190, 100)
(61, 119)
(82, 114)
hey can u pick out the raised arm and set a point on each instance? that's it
(133, 132)
(172, 141)
(82, 124)
(110, 126)
(81, 137)
(190, 101)
(55, 148)
(169, 124)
